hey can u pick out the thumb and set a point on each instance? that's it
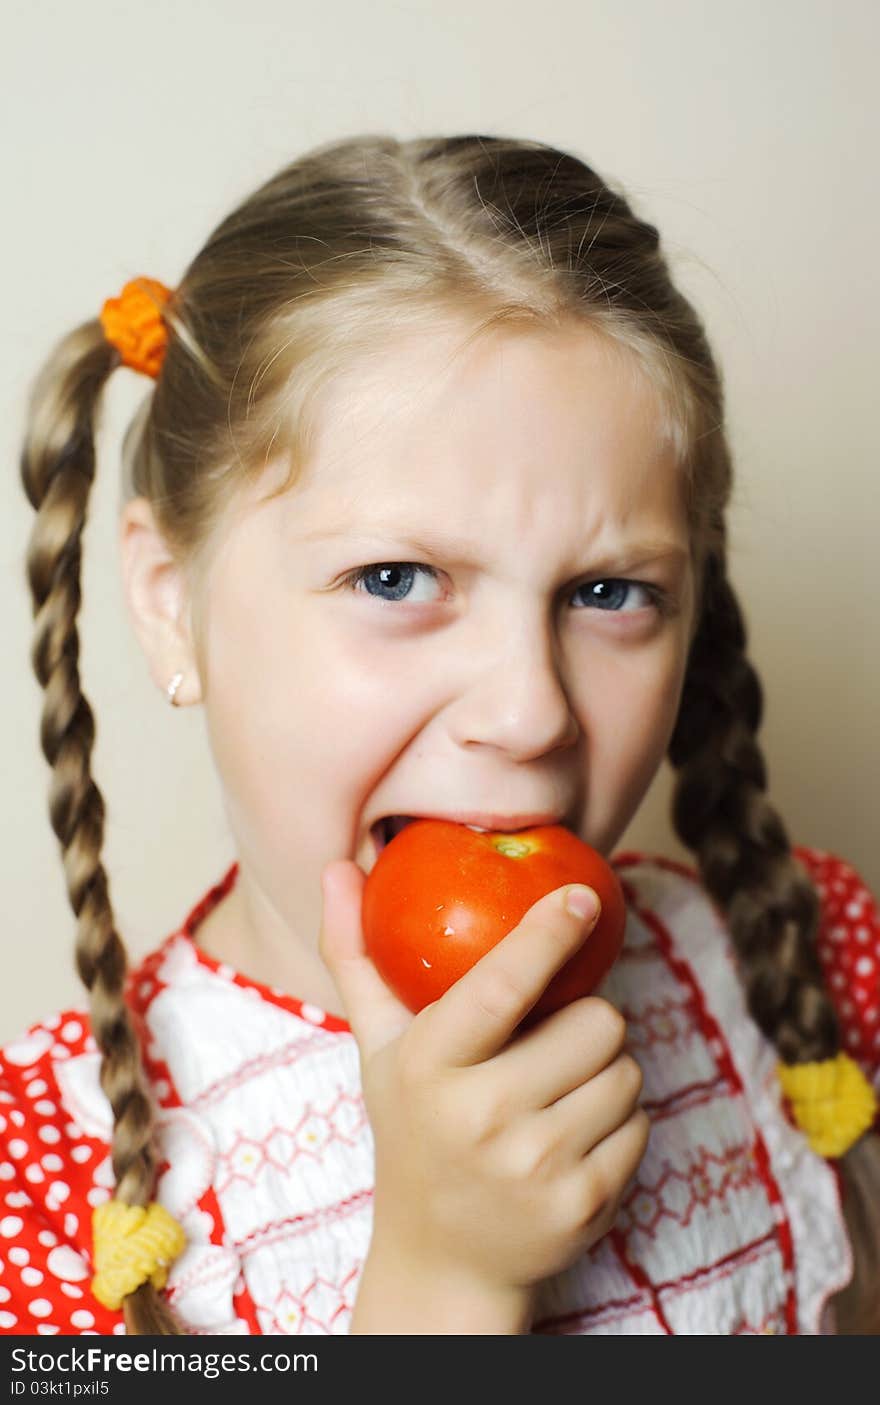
(373, 1010)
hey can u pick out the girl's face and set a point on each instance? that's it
(478, 599)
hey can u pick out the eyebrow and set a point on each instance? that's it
(623, 557)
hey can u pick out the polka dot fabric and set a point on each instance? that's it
(849, 950)
(51, 1175)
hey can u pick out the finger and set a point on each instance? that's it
(604, 1222)
(374, 1012)
(611, 1165)
(589, 1115)
(565, 1050)
(476, 1016)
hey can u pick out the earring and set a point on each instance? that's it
(173, 687)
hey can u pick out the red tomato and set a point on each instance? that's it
(440, 895)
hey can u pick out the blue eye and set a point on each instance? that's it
(391, 582)
(395, 577)
(606, 593)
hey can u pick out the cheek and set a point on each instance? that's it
(352, 686)
(629, 713)
(309, 701)
(635, 693)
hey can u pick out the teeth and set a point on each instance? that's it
(389, 827)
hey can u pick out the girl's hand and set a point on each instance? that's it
(499, 1159)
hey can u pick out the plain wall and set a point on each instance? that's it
(746, 132)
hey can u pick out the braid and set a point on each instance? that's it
(772, 910)
(720, 812)
(57, 471)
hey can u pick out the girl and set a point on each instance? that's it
(426, 510)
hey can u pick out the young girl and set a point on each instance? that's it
(426, 511)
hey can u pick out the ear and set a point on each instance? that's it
(157, 598)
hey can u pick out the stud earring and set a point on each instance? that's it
(173, 687)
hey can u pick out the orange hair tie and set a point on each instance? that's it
(133, 324)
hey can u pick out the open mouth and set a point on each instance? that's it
(389, 826)
(386, 829)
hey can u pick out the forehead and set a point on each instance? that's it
(529, 429)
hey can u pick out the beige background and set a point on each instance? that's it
(747, 132)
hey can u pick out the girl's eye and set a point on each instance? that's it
(610, 594)
(395, 577)
(391, 582)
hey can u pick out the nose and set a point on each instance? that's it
(515, 698)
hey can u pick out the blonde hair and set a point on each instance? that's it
(352, 245)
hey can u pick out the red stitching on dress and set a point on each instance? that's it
(279, 1321)
(738, 1173)
(264, 1063)
(640, 1278)
(666, 1107)
(263, 1155)
(302, 1224)
(201, 1275)
(723, 1267)
(718, 1045)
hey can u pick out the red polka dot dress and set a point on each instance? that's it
(731, 1226)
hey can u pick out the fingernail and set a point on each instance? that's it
(582, 902)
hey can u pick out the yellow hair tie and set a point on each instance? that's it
(131, 1245)
(832, 1102)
